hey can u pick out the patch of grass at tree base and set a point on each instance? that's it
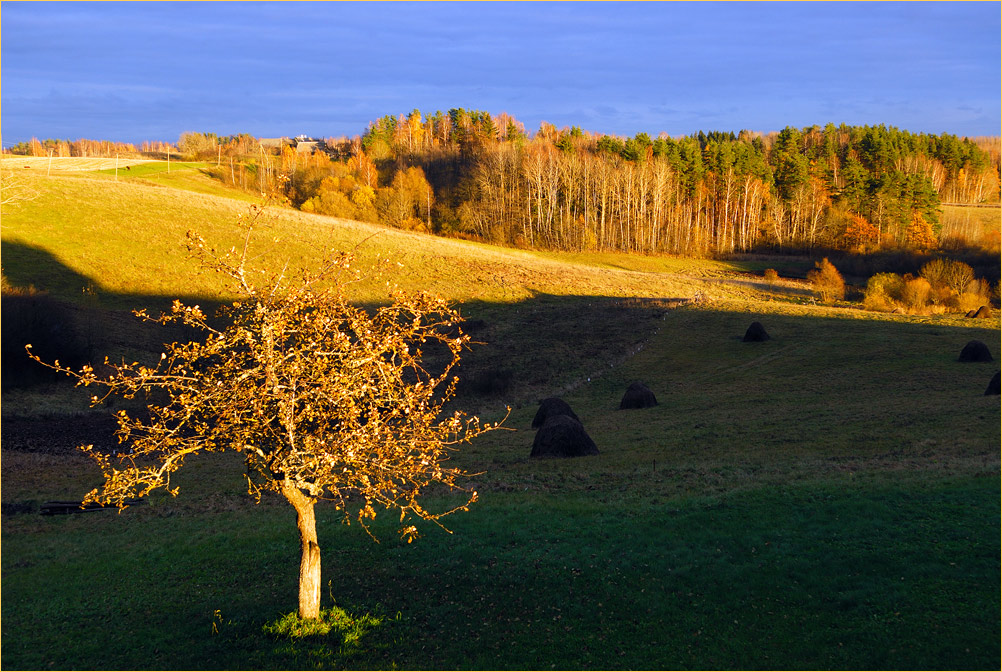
(336, 634)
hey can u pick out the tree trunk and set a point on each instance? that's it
(309, 566)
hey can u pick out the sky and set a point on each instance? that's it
(135, 71)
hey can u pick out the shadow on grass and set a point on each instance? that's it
(608, 563)
(68, 316)
(528, 350)
(521, 349)
(27, 266)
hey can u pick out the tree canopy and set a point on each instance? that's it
(324, 400)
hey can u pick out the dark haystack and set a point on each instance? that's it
(993, 387)
(562, 436)
(756, 333)
(983, 313)
(975, 351)
(638, 395)
(550, 407)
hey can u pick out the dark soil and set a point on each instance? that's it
(59, 434)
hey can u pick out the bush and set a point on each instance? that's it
(883, 291)
(827, 281)
(915, 294)
(977, 293)
(331, 203)
(771, 276)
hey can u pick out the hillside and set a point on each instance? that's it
(126, 238)
(823, 499)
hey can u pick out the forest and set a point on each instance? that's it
(858, 189)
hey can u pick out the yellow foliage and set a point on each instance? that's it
(364, 196)
(322, 398)
(827, 281)
(920, 234)
(915, 294)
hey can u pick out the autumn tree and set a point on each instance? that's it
(323, 400)
(407, 202)
(860, 234)
(198, 145)
(827, 281)
(919, 233)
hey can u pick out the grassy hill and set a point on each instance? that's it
(126, 239)
(826, 499)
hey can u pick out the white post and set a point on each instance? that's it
(116, 166)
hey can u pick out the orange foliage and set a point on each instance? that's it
(920, 234)
(860, 233)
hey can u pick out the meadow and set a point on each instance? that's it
(826, 499)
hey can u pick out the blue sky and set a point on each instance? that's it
(151, 70)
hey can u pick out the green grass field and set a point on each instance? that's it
(826, 499)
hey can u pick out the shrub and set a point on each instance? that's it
(331, 203)
(771, 276)
(915, 294)
(954, 286)
(883, 290)
(935, 272)
(977, 293)
(827, 281)
(958, 276)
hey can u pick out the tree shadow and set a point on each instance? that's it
(69, 316)
(26, 267)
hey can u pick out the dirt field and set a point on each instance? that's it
(66, 163)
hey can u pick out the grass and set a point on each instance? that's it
(972, 223)
(827, 576)
(81, 232)
(826, 499)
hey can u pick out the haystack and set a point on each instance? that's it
(975, 351)
(550, 407)
(756, 333)
(983, 313)
(562, 436)
(638, 395)
(993, 387)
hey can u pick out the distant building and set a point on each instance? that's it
(274, 143)
(306, 145)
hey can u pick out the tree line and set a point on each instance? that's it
(80, 148)
(857, 188)
(468, 172)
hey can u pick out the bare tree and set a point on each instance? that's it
(322, 399)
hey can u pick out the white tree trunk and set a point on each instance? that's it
(309, 566)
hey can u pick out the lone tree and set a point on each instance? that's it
(324, 400)
(827, 281)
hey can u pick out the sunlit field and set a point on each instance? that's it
(827, 499)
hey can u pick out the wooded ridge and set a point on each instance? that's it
(852, 188)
